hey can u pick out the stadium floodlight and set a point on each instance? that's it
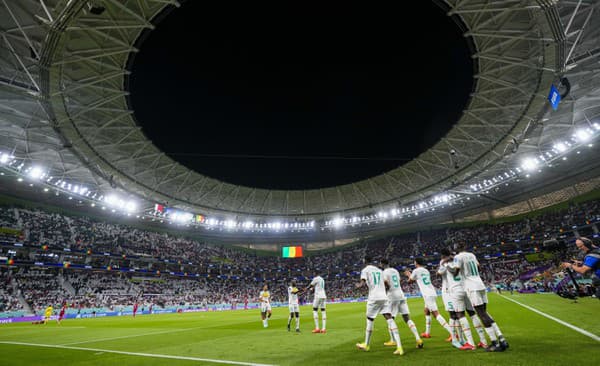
(130, 206)
(582, 135)
(111, 199)
(36, 172)
(230, 224)
(529, 164)
(83, 190)
(4, 158)
(276, 225)
(248, 224)
(337, 222)
(211, 222)
(560, 147)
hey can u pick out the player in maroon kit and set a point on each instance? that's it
(135, 307)
(61, 315)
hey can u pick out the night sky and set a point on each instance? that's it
(298, 95)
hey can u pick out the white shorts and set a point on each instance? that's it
(374, 307)
(319, 303)
(394, 307)
(455, 301)
(477, 297)
(264, 307)
(294, 308)
(431, 303)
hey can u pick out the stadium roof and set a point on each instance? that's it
(64, 69)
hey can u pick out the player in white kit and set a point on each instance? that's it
(293, 306)
(376, 302)
(265, 305)
(423, 278)
(456, 303)
(318, 283)
(465, 264)
(396, 302)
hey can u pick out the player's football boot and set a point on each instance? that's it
(316, 330)
(457, 344)
(363, 347)
(420, 343)
(297, 330)
(504, 344)
(425, 335)
(467, 347)
(482, 345)
(399, 351)
(390, 343)
(323, 331)
(494, 347)
(288, 327)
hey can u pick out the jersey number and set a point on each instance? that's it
(425, 279)
(395, 281)
(473, 268)
(376, 278)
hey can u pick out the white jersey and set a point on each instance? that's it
(292, 296)
(319, 284)
(423, 278)
(392, 277)
(265, 297)
(373, 276)
(467, 265)
(450, 282)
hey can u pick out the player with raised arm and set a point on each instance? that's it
(318, 283)
(422, 277)
(465, 264)
(265, 305)
(396, 302)
(372, 277)
(293, 306)
(457, 300)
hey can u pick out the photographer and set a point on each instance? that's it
(591, 262)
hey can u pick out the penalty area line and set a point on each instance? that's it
(151, 355)
(577, 329)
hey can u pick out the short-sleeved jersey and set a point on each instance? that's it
(467, 265)
(265, 297)
(593, 261)
(319, 284)
(48, 311)
(392, 277)
(292, 295)
(450, 282)
(423, 278)
(373, 276)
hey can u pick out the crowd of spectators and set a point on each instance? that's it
(229, 275)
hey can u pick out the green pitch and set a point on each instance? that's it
(239, 336)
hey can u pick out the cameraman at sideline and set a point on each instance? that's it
(591, 262)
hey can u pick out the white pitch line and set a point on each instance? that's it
(577, 329)
(153, 355)
(129, 336)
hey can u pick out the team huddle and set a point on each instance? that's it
(463, 292)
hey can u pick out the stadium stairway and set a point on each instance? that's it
(66, 285)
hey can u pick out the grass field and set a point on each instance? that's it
(239, 336)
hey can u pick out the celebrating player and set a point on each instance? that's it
(456, 302)
(319, 302)
(265, 305)
(376, 303)
(396, 301)
(466, 265)
(293, 306)
(423, 278)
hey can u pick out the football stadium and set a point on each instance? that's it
(199, 183)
